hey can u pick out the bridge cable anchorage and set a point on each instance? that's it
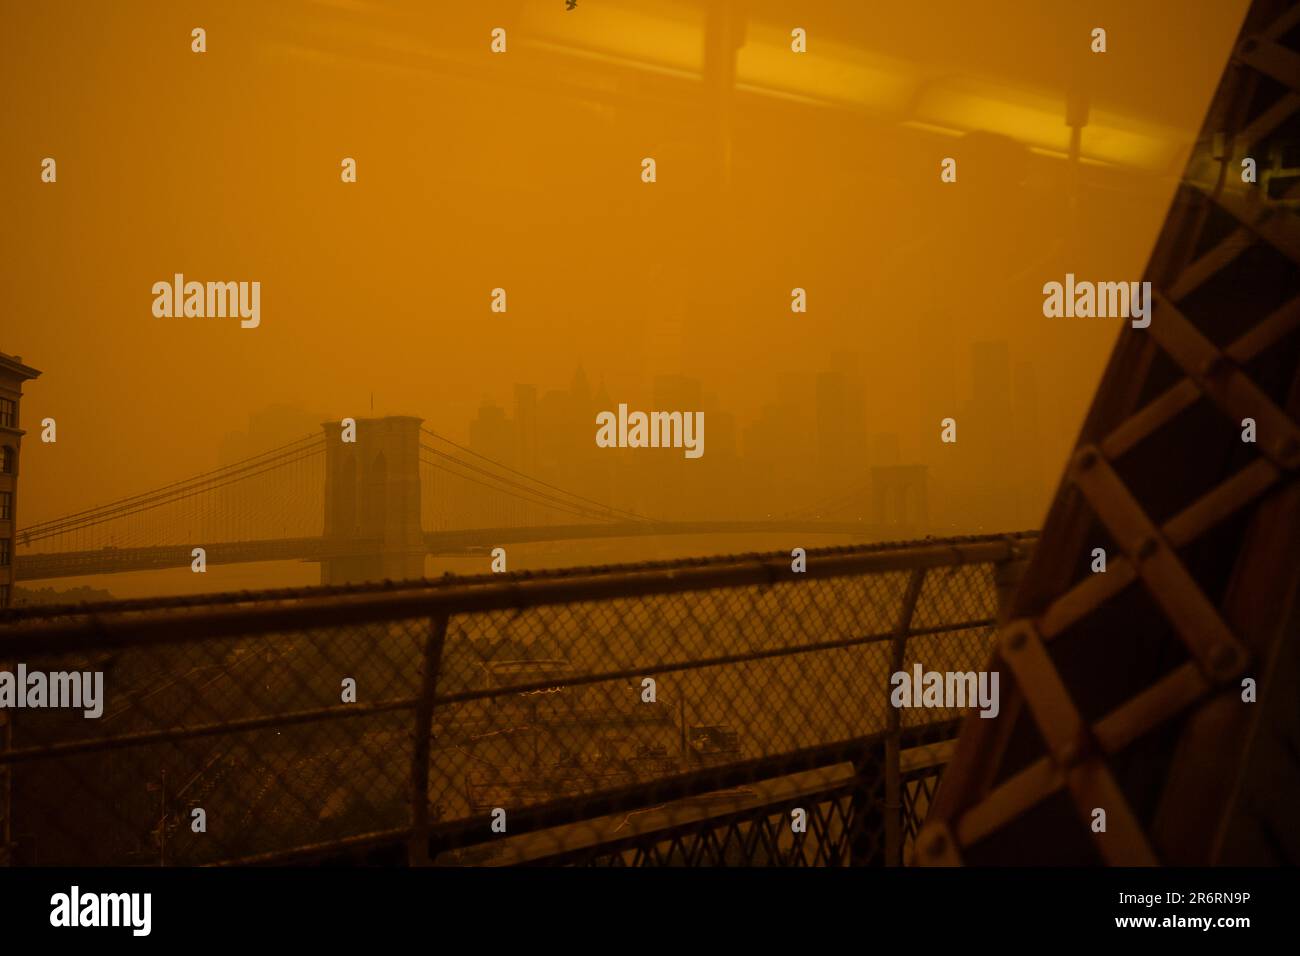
(621, 511)
(554, 502)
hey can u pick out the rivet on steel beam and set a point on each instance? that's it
(1014, 639)
(1285, 449)
(1226, 660)
(1087, 458)
(1076, 751)
(1147, 548)
(1214, 366)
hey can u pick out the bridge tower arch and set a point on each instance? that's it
(372, 501)
(900, 498)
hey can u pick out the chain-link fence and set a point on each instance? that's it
(680, 712)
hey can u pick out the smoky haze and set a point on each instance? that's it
(522, 171)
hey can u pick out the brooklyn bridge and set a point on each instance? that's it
(371, 509)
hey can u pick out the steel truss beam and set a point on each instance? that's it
(1126, 687)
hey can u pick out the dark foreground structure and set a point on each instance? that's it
(1163, 692)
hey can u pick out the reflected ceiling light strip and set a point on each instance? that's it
(841, 76)
(671, 39)
(613, 59)
(838, 76)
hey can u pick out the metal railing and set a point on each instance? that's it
(678, 712)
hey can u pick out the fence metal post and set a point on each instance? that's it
(418, 848)
(868, 804)
(1007, 575)
(893, 781)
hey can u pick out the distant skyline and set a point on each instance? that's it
(777, 459)
(526, 177)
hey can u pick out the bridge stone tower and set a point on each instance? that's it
(900, 498)
(372, 500)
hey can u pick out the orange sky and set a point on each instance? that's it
(522, 171)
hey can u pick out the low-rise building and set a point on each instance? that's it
(12, 375)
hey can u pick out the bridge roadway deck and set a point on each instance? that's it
(62, 564)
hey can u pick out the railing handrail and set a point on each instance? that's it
(106, 629)
(22, 613)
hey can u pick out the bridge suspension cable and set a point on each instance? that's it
(291, 453)
(831, 503)
(280, 494)
(619, 514)
(522, 493)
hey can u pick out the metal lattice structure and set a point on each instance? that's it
(526, 693)
(1124, 691)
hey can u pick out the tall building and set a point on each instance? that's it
(987, 439)
(1032, 492)
(526, 423)
(841, 430)
(12, 375)
(677, 393)
(991, 379)
(493, 435)
(268, 428)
